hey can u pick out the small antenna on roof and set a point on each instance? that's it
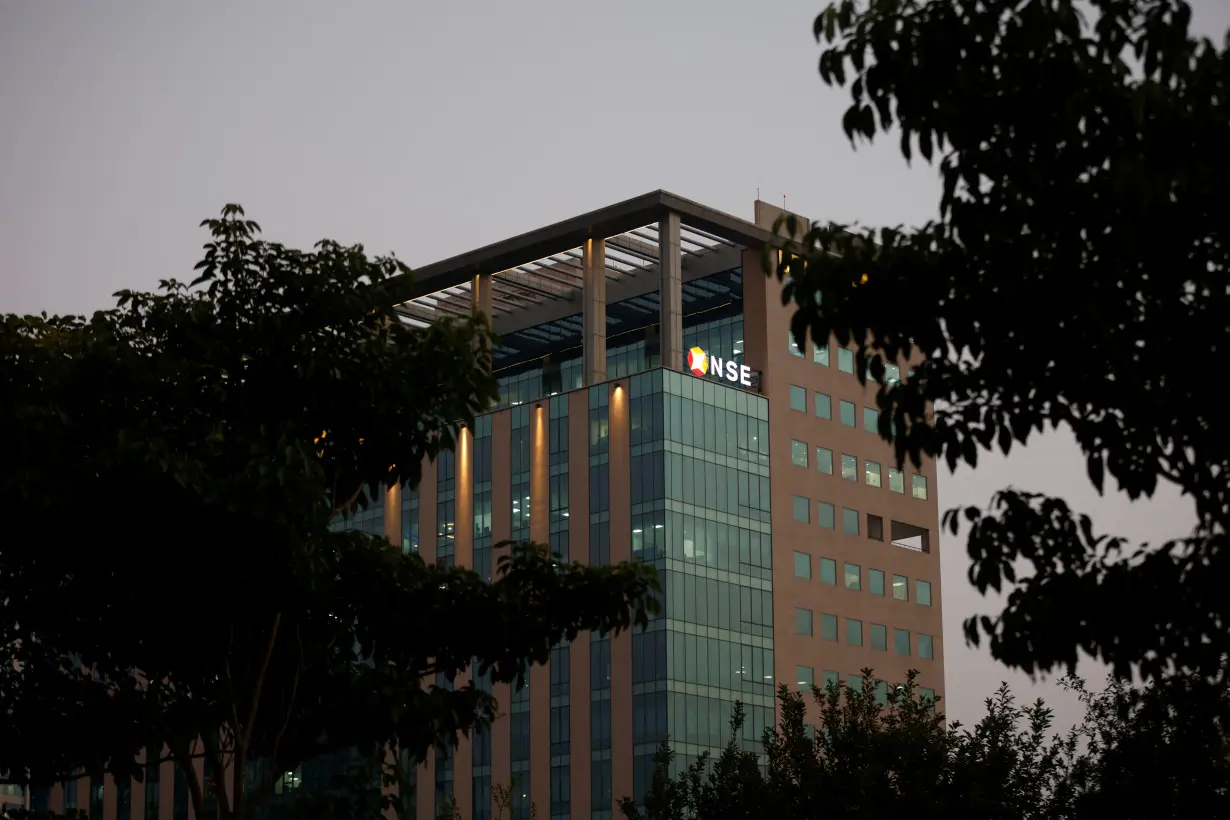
(758, 193)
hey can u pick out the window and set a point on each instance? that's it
(824, 406)
(802, 565)
(892, 374)
(828, 571)
(875, 527)
(854, 682)
(871, 473)
(807, 678)
(922, 592)
(829, 678)
(820, 354)
(918, 486)
(882, 692)
(798, 398)
(849, 467)
(926, 694)
(798, 453)
(901, 641)
(854, 577)
(854, 632)
(871, 420)
(926, 647)
(801, 507)
(875, 581)
(896, 481)
(824, 460)
(845, 360)
(901, 590)
(879, 637)
(828, 627)
(802, 621)
(825, 515)
(793, 346)
(849, 521)
(847, 413)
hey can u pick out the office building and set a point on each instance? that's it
(655, 408)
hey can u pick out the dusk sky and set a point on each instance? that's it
(428, 129)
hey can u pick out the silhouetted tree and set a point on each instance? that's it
(1075, 276)
(206, 441)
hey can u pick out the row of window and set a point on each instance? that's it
(804, 624)
(907, 536)
(872, 472)
(807, 679)
(845, 359)
(852, 579)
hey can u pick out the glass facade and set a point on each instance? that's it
(546, 359)
(701, 516)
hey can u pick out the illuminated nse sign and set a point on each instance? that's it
(701, 363)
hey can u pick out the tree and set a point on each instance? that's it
(1156, 752)
(207, 439)
(875, 753)
(1075, 275)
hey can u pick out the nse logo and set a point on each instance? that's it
(701, 363)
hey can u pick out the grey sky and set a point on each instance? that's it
(430, 128)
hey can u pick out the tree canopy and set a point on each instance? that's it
(1075, 276)
(886, 753)
(207, 439)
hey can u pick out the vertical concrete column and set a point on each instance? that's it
(670, 292)
(480, 295)
(463, 556)
(392, 515)
(501, 529)
(578, 538)
(593, 263)
(425, 783)
(540, 673)
(622, 717)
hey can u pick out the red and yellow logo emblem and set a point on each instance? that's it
(698, 361)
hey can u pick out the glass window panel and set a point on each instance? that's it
(798, 398)
(926, 647)
(802, 507)
(875, 581)
(918, 486)
(802, 565)
(806, 676)
(854, 632)
(847, 413)
(825, 513)
(849, 521)
(820, 354)
(871, 419)
(849, 467)
(922, 592)
(845, 360)
(871, 473)
(853, 577)
(798, 453)
(879, 637)
(824, 460)
(828, 627)
(824, 406)
(802, 621)
(896, 481)
(828, 571)
(901, 641)
(901, 591)
(792, 345)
